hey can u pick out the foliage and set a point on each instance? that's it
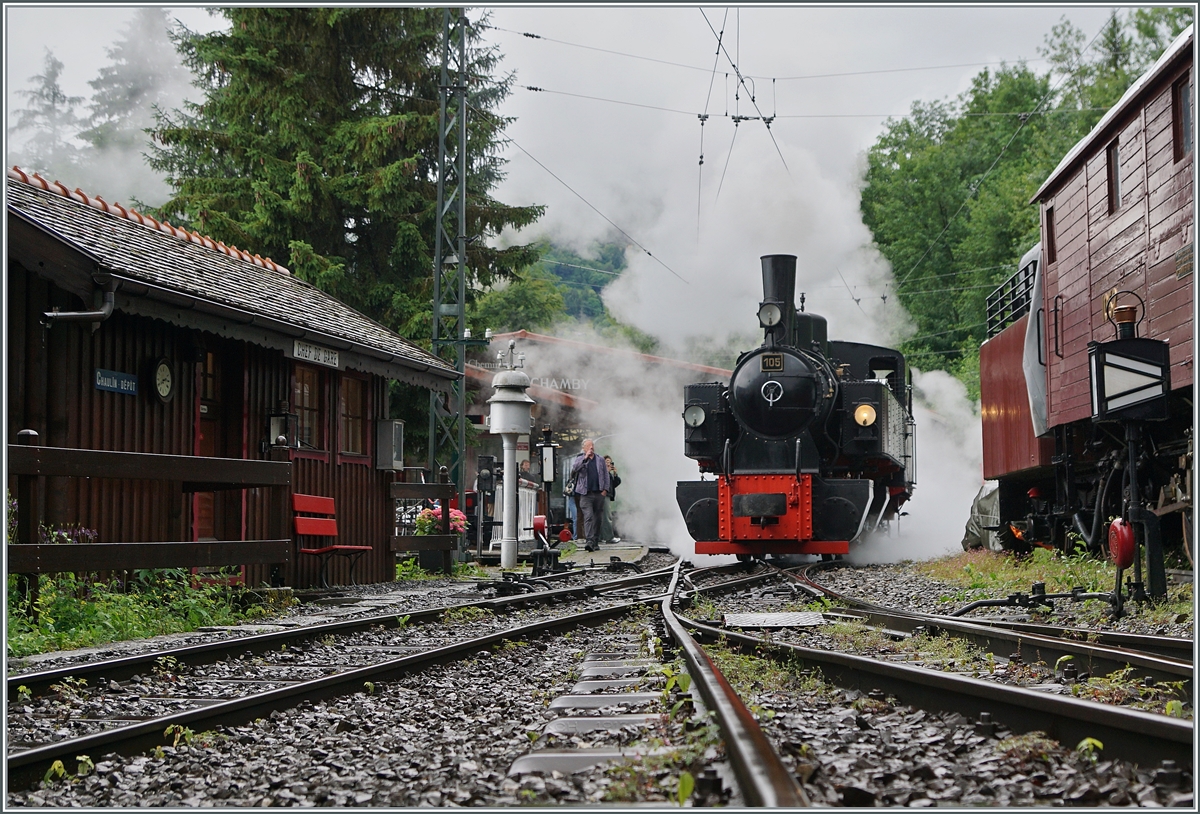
(73, 612)
(947, 187)
(468, 570)
(466, 613)
(1027, 748)
(532, 301)
(51, 121)
(10, 517)
(142, 73)
(429, 521)
(410, 569)
(316, 144)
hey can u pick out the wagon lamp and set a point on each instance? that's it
(509, 418)
(864, 415)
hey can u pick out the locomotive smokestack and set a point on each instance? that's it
(779, 286)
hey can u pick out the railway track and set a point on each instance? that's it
(604, 713)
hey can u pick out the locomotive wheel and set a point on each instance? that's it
(745, 557)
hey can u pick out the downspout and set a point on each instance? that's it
(49, 318)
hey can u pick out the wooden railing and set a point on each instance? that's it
(28, 462)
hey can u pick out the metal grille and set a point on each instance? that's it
(796, 619)
(1011, 300)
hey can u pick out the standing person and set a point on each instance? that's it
(591, 486)
(526, 475)
(608, 532)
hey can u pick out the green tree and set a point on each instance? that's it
(1156, 28)
(51, 122)
(533, 301)
(316, 144)
(143, 74)
(947, 188)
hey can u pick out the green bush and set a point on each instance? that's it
(77, 612)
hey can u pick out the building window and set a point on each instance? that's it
(1114, 177)
(1181, 116)
(310, 416)
(208, 377)
(1051, 243)
(354, 416)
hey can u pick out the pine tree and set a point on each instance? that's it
(316, 144)
(144, 73)
(52, 122)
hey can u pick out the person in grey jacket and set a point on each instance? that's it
(592, 485)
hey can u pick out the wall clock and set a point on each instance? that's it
(164, 380)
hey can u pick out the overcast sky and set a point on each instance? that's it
(639, 166)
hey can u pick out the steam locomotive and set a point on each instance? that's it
(811, 443)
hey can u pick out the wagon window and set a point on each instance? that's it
(310, 418)
(353, 416)
(1051, 243)
(1181, 115)
(1114, 177)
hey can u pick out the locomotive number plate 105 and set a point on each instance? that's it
(771, 363)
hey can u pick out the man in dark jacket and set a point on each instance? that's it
(592, 484)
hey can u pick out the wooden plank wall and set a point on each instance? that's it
(52, 390)
(1130, 249)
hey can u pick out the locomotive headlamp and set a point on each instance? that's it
(693, 415)
(864, 415)
(769, 314)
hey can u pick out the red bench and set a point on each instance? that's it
(324, 526)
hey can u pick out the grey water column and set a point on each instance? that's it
(510, 418)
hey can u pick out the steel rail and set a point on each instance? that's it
(122, 668)
(1171, 647)
(764, 779)
(1141, 737)
(28, 766)
(1089, 657)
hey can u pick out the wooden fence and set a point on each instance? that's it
(30, 462)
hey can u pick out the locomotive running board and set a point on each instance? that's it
(775, 547)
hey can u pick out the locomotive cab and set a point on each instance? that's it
(809, 441)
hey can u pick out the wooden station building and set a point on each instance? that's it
(194, 348)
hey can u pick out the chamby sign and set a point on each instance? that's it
(563, 383)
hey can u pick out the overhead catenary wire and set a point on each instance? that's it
(873, 72)
(704, 118)
(742, 82)
(588, 203)
(728, 115)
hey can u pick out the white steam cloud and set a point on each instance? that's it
(762, 209)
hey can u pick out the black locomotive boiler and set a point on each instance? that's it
(810, 444)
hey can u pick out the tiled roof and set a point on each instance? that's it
(138, 247)
(95, 201)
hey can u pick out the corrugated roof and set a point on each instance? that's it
(171, 258)
(1181, 43)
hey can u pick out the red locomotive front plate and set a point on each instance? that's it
(787, 533)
